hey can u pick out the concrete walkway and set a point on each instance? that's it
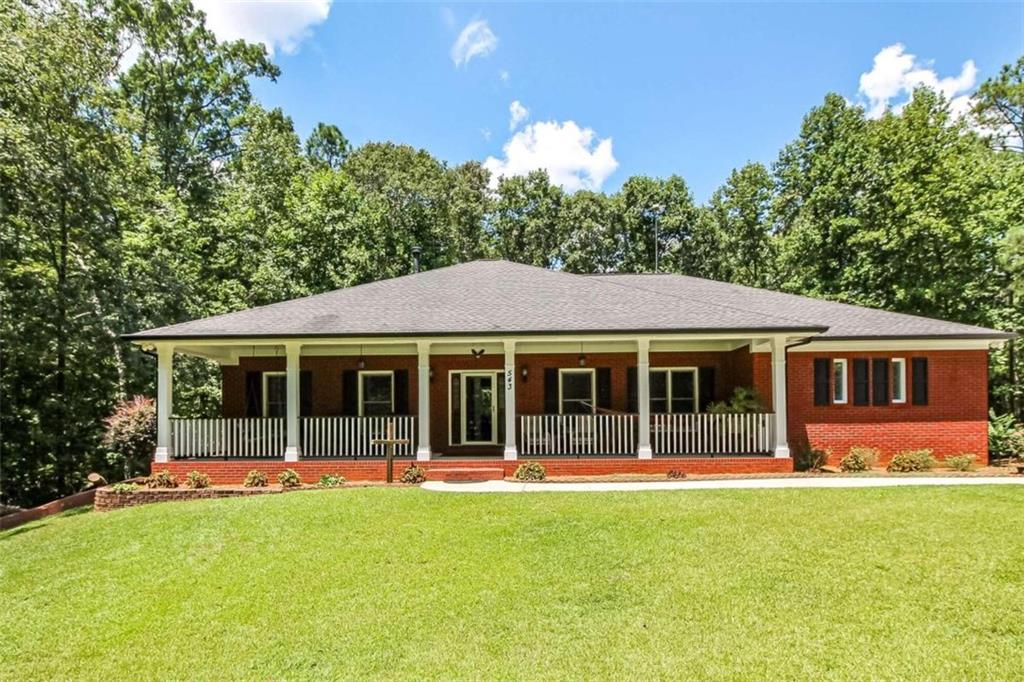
(728, 484)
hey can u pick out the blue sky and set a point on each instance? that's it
(610, 90)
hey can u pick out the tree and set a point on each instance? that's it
(588, 226)
(525, 225)
(741, 212)
(999, 107)
(638, 203)
(327, 147)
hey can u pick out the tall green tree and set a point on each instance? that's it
(326, 146)
(525, 226)
(999, 106)
(646, 206)
(741, 212)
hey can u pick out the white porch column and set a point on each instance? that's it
(292, 352)
(779, 395)
(164, 402)
(643, 399)
(423, 400)
(511, 452)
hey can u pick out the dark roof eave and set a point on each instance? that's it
(145, 336)
(981, 336)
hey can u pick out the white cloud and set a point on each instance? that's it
(476, 40)
(517, 114)
(278, 24)
(504, 75)
(895, 73)
(573, 157)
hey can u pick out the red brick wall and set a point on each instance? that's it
(233, 472)
(955, 421)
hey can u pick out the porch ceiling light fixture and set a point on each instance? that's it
(361, 364)
(583, 358)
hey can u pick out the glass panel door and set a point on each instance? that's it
(479, 408)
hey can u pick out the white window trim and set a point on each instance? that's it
(495, 387)
(902, 363)
(593, 385)
(375, 372)
(845, 374)
(668, 387)
(266, 377)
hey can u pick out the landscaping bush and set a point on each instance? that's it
(289, 478)
(162, 479)
(255, 479)
(130, 435)
(124, 487)
(810, 459)
(531, 471)
(960, 462)
(331, 481)
(414, 474)
(197, 479)
(859, 459)
(1005, 436)
(912, 460)
(743, 401)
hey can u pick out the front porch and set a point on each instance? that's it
(609, 401)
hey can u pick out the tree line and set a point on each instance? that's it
(142, 184)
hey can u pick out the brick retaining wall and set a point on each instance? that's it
(107, 499)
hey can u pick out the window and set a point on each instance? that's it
(899, 380)
(275, 394)
(376, 393)
(576, 391)
(839, 381)
(673, 390)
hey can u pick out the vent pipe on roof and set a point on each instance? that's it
(416, 251)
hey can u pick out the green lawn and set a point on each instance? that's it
(405, 583)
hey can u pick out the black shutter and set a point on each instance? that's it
(706, 382)
(253, 394)
(919, 371)
(822, 370)
(861, 393)
(631, 399)
(350, 393)
(550, 390)
(401, 391)
(880, 381)
(604, 388)
(306, 393)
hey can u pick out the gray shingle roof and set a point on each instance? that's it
(500, 297)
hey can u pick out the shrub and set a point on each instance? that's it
(121, 488)
(960, 462)
(912, 460)
(676, 473)
(743, 401)
(197, 479)
(289, 478)
(162, 479)
(330, 481)
(414, 474)
(130, 434)
(531, 471)
(859, 459)
(1005, 436)
(810, 459)
(255, 479)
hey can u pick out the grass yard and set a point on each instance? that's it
(901, 583)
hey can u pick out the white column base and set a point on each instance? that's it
(511, 454)
(162, 455)
(644, 452)
(782, 451)
(291, 454)
(423, 453)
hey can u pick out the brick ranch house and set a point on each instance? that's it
(482, 364)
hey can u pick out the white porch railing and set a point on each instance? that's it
(712, 434)
(578, 434)
(259, 437)
(352, 436)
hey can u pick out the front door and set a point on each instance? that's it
(479, 408)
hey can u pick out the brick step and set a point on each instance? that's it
(466, 474)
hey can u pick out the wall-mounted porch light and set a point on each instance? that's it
(524, 372)
(361, 363)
